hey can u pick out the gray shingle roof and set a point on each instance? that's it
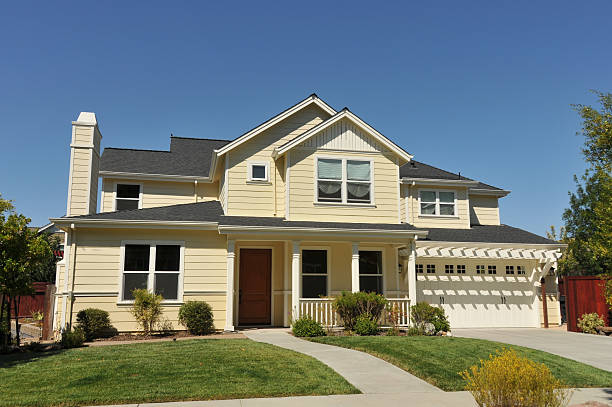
(486, 233)
(417, 169)
(187, 156)
(211, 211)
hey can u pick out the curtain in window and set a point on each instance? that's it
(329, 187)
(329, 169)
(358, 190)
(358, 170)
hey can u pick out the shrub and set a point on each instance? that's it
(72, 338)
(589, 323)
(414, 331)
(307, 327)
(350, 305)
(197, 317)
(95, 323)
(508, 379)
(365, 325)
(147, 309)
(422, 314)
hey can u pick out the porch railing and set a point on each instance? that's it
(320, 309)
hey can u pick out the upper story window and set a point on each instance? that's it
(449, 269)
(492, 269)
(419, 269)
(258, 171)
(344, 181)
(480, 269)
(520, 269)
(460, 268)
(509, 269)
(156, 267)
(437, 203)
(127, 196)
(431, 269)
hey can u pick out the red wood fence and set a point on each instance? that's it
(583, 295)
(28, 304)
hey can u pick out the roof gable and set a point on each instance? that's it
(362, 129)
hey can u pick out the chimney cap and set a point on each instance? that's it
(86, 118)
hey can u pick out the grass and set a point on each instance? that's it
(163, 371)
(439, 359)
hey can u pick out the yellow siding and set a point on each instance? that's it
(221, 186)
(484, 210)
(257, 199)
(98, 270)
(462, 220)
(81, 175)
(161, 193)
(302, 190)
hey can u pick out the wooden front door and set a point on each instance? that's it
(254, 292)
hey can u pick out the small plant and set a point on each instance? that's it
(307, 327)
(95, 323)
(165, 327)
(508, 379)
(414, 331)
(423, 316)
(197, 317)
(72, 338)
(365, 325)
(147, 309)
(38, 316)
(589, 323)
(350, 305)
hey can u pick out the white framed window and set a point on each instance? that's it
(431, 269)
(509, 269)
(314, 273)
(419, 269)
(127, 196)
(370, 271)
(344, 181)
(155, 266)
(449, 269)
(480, 269)
(258, 171)
(520, 270)
(437, 203)
(460, 268)
(492, 269)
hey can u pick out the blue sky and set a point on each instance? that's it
(484, 88)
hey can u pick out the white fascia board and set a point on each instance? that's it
(66, 223)
(438, 181)
(356, 120)
(153, 177)
(276, 119)
(489, 245)
(492, 192)
(266, 230)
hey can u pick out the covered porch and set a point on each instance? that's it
(276, 276)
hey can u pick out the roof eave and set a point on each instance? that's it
(68, 223)
(287, 230)
(495, 192)
(145, 176)
(438, 181)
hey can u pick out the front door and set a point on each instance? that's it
(254, 280)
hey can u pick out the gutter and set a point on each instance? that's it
(229, 229)
(133, 223)
(164, 177)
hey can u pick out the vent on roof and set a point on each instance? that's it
(412, 164)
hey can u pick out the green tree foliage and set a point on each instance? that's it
(588, 220)
(22, 251)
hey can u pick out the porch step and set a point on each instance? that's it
(366, 372)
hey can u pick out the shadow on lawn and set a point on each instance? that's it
(20, 357)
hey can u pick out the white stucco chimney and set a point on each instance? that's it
(84, 165)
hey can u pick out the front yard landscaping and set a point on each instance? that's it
(199, 369)
(438, 359)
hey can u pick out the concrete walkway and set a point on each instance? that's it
(369, 374)
(594, 350)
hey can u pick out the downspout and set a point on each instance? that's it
(273, 170)
(195, 190)
(73, 277)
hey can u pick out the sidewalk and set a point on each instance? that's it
(369, 374)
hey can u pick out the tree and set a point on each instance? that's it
(588, 220)
(22, 251)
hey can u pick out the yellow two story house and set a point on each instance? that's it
(273, 224)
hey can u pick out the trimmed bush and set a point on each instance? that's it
(588, 323)
(72, 338)
(365, 326)
(307, 327)
(351, 305)
(197, 317)
(508, 379)
(422, 314)
(147, 309)
(95, 323)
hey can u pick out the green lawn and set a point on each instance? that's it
(164, 371)
(439, 359)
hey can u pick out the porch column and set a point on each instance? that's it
(412, 272)
(229, 295)
(355, 268)
(295, 280)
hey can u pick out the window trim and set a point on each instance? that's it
(151, 272)
(382, 265)
(437, 212)
(344, 181)
(250, 165)
(327, 249)
(140, 184)
(433, 268)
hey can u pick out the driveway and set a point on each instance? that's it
(594, 350)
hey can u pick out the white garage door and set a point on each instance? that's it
(474, 301)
